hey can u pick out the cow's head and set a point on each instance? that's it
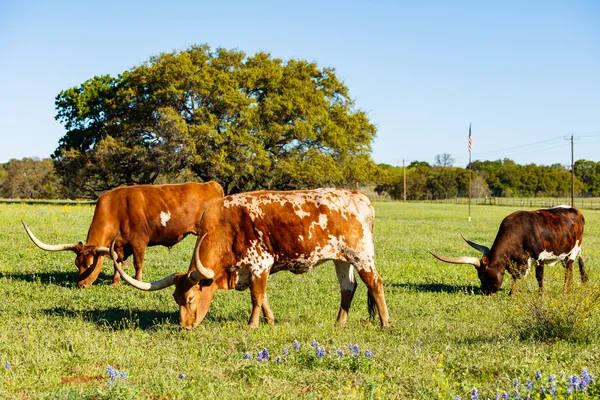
(193, 291)
(88, 258)
(491, 278)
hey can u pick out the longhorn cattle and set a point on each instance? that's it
(250, 235)
(528, 238)
(145, 215)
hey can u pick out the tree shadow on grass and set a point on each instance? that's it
(117, 318)
(437, 287)
(64, 279)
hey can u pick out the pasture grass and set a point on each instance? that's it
(445, 338)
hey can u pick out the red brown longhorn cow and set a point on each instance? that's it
(528, 238)
(247, 236)
(145, 215)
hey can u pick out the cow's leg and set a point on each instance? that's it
(116, 278)
(268, 314)
(568, 276)
(539, 275)
(139, 250)
(376, 298)
(258, 288)
(582, 271)
(345, 275)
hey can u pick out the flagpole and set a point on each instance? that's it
(470, 173)
(470, 169)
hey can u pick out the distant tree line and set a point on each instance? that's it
(33, 178)
(500, 178)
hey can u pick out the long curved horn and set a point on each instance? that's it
(200, 272)
(484, 249)
(48, 247)
(459, 260)
(156, 285)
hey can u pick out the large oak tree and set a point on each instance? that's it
(247, 122)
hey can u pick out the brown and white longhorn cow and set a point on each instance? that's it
(528, 238)
(247, 236)
(145, 215)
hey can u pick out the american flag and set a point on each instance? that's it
(470, 139)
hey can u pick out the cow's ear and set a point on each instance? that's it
(206, 282)
(484, 262)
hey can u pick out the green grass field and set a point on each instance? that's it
(446, 338)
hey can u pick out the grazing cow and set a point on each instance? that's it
(257, 233)
(145, 215)
(526, 238)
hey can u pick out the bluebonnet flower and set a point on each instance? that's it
(339, 352)
(123, 375)
(543, 389)
(7, 365)
(419, 343)
(320, 352)
(538, 375)
(457, 397)
(314, 343)
(552, 378)
(353, 349)
(259, 356)
(527, 397)
(585, 377)
(296, 345)
(285, 352)
(497, 395)
(278, 359)
(517, 394)
(247, 356)
(265, 354)
(573, 381)
(474, 394)
(368, 354)
(181, 376)
(569, 390)
(112, 373)
(516, 383)
(529, 385)
(505, 395)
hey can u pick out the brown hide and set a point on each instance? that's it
(135, 212)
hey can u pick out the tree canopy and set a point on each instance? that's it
(247, 122)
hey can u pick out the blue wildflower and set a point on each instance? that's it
(278, 359)
(314, 343)
(7, 365)
(123, 375)
(497, 395)
(457, 397)
(573, 381)
(259, 356)
(474, 394)
(368, 354)
(517, 394)
(285, 352)
(505, 395)
(529, 385)
(265, 354)
(296, 345)
(552, 378)
(528, 397)
(585, 377)
(353, 349)
(320, 352)
(247, 356)
(516, 383)
(538, 375)
(419, 343)
(340, 352)
(181, 376)
(569, 390)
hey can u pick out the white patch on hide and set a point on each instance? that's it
(553, 259)
(164, 217)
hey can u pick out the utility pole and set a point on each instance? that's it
(572, 169)
(404, 170)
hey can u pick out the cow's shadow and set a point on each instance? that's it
(118, 318)
(437, 287)
(59, 278)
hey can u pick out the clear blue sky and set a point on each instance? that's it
(525, 73)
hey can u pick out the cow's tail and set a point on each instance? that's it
(582, 271)
(371, 305)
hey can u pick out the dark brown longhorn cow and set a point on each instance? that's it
(145, 215)
(254, 234)
(528, 238)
